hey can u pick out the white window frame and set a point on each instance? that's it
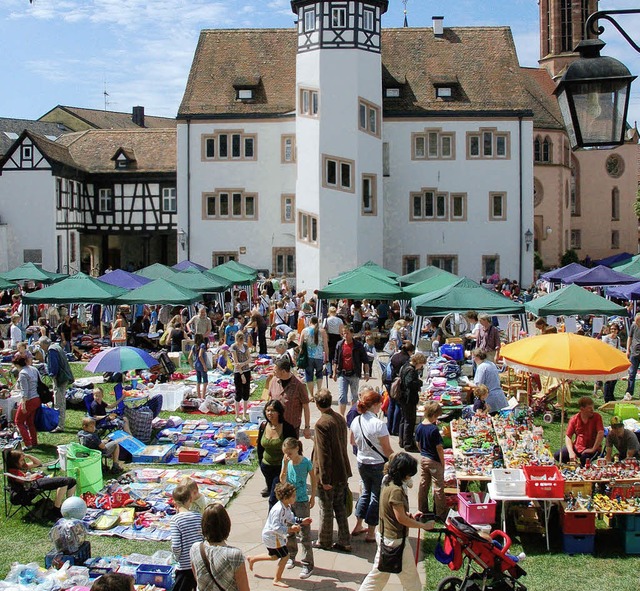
(447, 262)
(368, 20)
(309, 20)
(243, 140)
(307, 228)
(430, 145)
(309, 102)
(105, 200)
(340, 177)
(338, 17)
(576, 239)
(503, 206)
(169, 200)
(368, 117)
(288, 208)
(369, 188)
(224, 257)
(288, 149)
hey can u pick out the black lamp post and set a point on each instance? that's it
(528, 239)
(593, 93)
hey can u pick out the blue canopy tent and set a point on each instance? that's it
(615, 260)
(600, 276)
(121, 278)
(184, 265)
(557, 275)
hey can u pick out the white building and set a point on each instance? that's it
(315, 149)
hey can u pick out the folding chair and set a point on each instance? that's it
(19, 498)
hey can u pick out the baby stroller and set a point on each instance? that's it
(494, 570)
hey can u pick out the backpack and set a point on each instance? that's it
(396, 391)
(388, 372)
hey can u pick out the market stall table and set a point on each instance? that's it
(547, 503)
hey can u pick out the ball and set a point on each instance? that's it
(73, 508)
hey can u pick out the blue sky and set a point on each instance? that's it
(67, 51)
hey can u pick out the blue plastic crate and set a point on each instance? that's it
(632, 542)
(57, 559)
(630, 523)
(578, 544)
(155, 574)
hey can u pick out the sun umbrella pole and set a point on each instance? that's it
(563, 387)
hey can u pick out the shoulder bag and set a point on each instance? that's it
(385, 459)
(390, 559)
(46, 395)
(303, 356)
(207, 565)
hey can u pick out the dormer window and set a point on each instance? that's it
(392, 92)
(124, 158)
(446, 87)
(444, 92)
(246, 88)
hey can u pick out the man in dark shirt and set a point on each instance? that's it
(103, 413)
(349, 363)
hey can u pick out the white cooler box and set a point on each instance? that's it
(256, 414)
(172, 394)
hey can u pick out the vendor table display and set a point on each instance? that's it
(475, 447)
(142, 508)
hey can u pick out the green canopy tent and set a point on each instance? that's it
(430, 285)
(371, 266)
(235, 276)
(423, 274)
(358, 286)
(160, 291)
(464, 295)
(157, 271)
(200, 282)
(631, 267)
(4, 284)
(236, 266)
(76, 289)
(359, 271)
(31, 272)
(573, 300)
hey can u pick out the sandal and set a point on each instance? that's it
(358, 532)
(318, 546)
(239, 420)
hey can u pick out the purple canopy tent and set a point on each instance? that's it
(600, 275)
(625, 292)
(557, 275)
(124, 279)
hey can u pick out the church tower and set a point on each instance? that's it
(339, 207)
(561, 29)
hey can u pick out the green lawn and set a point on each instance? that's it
(29, 542)
(546, 571)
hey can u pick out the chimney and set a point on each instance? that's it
(138, 116)
(438, 28)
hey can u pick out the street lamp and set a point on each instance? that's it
(182, 238)
(528, 239)
(593, 94)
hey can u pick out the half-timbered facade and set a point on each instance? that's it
(89, 200)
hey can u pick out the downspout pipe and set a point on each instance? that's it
(520, 228)
(189, 189)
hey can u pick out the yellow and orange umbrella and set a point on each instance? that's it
(566, 356)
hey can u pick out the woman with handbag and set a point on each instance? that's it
(25, 418)
(314, 340)
(216, 566)
(394, 554)
(371, 436)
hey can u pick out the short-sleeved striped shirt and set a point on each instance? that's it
(186, 530)
(224, 561)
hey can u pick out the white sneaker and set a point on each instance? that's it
(521, 556)
(305, 573)
(291, 563)
(627, 396)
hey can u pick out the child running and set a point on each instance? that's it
(186, 530)
(295, 469)
(280, 523)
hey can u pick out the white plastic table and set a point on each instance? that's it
(546, 506)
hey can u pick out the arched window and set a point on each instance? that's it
(547, 150)
(537, 150)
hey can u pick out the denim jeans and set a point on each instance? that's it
(346, 383)
(633, 370)
(367, 507)
(394, 414)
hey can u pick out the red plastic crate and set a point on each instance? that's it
(544, 482)
(578, 523)
(189, 456)
(477, 513)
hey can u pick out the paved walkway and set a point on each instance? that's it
(333, 571)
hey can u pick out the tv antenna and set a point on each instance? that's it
(106, 96)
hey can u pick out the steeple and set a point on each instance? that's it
(561, 29)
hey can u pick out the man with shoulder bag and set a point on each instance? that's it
(60, 371)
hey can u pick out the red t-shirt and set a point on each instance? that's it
(585, 432)
(347, 356)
